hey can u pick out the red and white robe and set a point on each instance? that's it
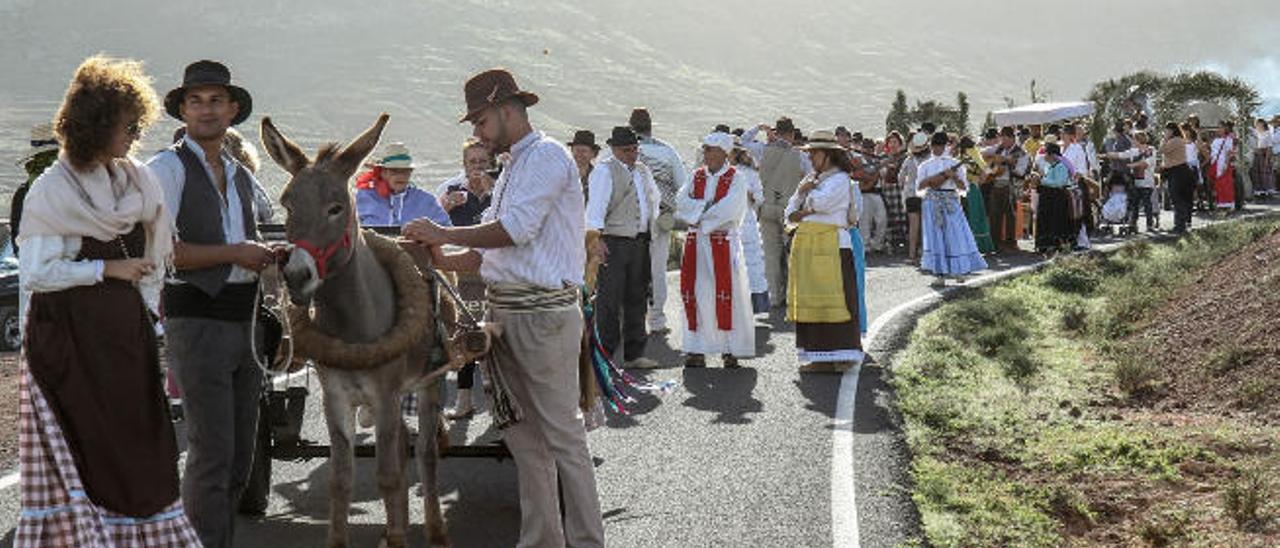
(713, 277)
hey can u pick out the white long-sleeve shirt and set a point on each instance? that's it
(829, 202)
(600, 189)
(1220, 153)
(708, 215)
(172, 175)
(756, 149)
(938, 164)
(538, 201)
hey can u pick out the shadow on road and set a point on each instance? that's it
(725, 392)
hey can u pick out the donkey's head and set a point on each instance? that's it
(322, 222)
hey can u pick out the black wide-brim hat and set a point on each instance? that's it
(622, 136)
(209, 73)
(585, 137)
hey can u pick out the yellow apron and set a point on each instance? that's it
(815, 284)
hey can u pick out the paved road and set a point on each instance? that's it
(730, 458)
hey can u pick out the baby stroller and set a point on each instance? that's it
(1115, 210)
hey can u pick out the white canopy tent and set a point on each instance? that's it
(1042, 113)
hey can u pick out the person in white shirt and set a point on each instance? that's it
(528, 248)
(668, 174)
(1275, 152)
(822, 288)
(949, 246)
(1222, 154)
(1264, 182)
(622, 205)
(752, 245)
(713, 276)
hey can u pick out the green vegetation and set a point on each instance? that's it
(1023, 409)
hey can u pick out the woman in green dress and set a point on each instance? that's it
(974, 205)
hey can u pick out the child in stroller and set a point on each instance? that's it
(1115, 210)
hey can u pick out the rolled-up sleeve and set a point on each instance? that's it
(528, 202)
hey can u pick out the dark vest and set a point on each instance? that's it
(200, 217)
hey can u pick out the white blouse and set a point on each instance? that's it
(829, 202)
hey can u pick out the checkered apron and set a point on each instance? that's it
(56, 512)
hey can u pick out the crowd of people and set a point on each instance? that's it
(764, 218)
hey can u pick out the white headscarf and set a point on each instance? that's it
(102, 203)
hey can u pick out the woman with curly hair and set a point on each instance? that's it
(98, 457)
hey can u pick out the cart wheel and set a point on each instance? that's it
(253, 502)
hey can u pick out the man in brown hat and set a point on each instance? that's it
(528, 248)
(621, 210)
(782, 166)
(211, 300)
(669, 174)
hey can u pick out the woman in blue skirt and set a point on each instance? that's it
(949, 247)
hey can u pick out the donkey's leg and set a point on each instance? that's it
(392, 466)
(429, 428)
(339, 413)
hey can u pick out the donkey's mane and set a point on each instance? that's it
(326, 154)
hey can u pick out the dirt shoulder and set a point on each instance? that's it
(1126, 399)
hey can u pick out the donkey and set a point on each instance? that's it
(355, 300)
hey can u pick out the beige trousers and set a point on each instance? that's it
(550, 442)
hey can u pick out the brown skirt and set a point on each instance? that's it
(92, 351)
(815, 339)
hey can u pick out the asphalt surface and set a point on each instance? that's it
(729, 458)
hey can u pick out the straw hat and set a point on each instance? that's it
(822, 139)
(919, 142)
(42, 140)
(395, 156)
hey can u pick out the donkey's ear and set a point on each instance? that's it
(352, 155)
(282, 150)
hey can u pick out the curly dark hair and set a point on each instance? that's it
(103, 93)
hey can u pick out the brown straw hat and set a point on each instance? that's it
(491, 88)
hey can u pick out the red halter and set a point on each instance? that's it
(321, 255)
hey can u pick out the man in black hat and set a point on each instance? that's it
(622, 207)
(669, 174)
(211, 300)
(584, 150)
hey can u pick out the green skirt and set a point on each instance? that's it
(975, 208)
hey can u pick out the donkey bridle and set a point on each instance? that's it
(321, 255)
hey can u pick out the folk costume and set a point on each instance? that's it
(208, 317)
(533, 291)
(97, 453)
(752, 244)
(1222, 170)
(622, 207)
(949, 245)
(668, 175)
(1054, 227)
(822, 292)
(975, 207)
(713, 275)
